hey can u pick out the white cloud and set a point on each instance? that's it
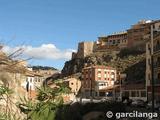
(45, 51)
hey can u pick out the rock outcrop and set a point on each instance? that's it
(127, 60)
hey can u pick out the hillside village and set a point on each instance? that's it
(126, 52)
(115, 66)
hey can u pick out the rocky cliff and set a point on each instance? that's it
(129, 61)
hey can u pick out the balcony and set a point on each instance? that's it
(104, 85)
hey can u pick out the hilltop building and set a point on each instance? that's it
(135, 37)
(84, 49)
(114, 41)
(138, 34)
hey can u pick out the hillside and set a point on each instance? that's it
(43, 68)
(127, 60)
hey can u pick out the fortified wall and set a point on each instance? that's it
(84, 49)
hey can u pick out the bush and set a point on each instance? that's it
(77, 110)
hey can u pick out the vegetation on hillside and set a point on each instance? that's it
(43, 68)
(127, 61)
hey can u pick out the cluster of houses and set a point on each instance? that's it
(105, 81)
(23, 80)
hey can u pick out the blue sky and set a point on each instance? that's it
(64, 23)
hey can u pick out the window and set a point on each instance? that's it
(99, 75)
(143, 93)
(133, 94)
(158, 43)
(149, 47)
(105, 75)
(126, 93)
(112, 79)
(114, 41)
(158, 76)
(112, 73)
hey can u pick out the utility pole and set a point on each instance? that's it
(91, 95)
(152, 69)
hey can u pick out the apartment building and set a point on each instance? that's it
(96, 80)
(114, 41)
(156, 63)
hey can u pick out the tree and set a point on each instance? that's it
(48, 101)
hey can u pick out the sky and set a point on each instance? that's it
(49, 30)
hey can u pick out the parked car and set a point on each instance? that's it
(108, 99)
(156, 105)
(127, 102)
(138, 103)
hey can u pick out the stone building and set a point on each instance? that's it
(75, 86)
(12, 74)
(134, 37)
(138, 32)
(84, 49)
(114, 41)
(156, 63)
